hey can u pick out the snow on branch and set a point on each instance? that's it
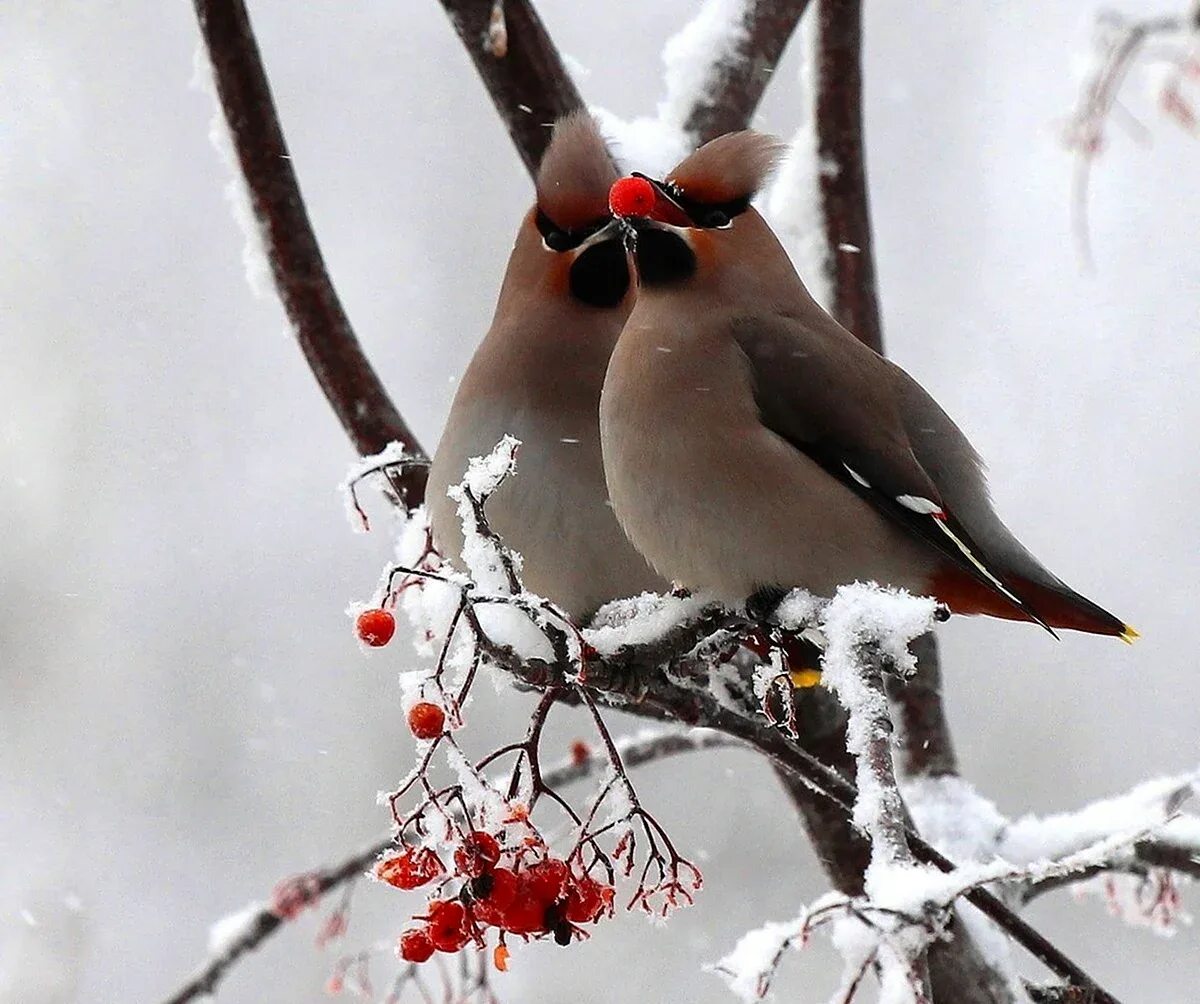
(715, 70)
(720, 62)
(1169, 45)
(322, 328)
(520, 67)
(244, 931)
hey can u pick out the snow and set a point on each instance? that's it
(392, 455)
(798, 610)
(645, 143)
(869, 620)
(484, 558)
(712, 37)
(640, 620)
(793, 201)
(233, 928)
(655, 144)
(867, 614)
(1146, 807)
(747, 967)
(952, 816)
(255, 262)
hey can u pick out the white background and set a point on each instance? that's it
(186, 717)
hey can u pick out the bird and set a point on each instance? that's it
(752, 445)
(537, 375)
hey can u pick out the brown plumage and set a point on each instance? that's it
(537, 375)
(751, 442)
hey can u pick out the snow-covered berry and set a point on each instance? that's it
(426, 720)
(375, 627)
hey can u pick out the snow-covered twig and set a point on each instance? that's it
(905, 911)
(334, 354)
(1119, 44)
(720, 62)
(869, 630)
(245, 931)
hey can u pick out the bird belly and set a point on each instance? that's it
(554, 510)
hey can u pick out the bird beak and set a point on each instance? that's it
(612, 230)
(638, 200)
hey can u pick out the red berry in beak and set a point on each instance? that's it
(632, 197)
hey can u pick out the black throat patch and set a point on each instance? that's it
(600, 276)
(663, 257)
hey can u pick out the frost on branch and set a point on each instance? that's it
(500, 858)
(905, 906)
(1168, 47)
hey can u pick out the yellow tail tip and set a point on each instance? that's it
(1129, 635)
(803, 679)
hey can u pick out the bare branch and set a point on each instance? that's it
(1120, 45)
(321, 881)
(525, 76)
(843, 174)
(333, 352)
(926, 747)
(736, 80)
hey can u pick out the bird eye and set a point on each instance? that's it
(717, 219)
(557, 240)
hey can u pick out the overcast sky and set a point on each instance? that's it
(187, 717)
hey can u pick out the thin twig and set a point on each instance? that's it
(321, 881)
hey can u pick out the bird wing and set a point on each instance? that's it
(836, 401)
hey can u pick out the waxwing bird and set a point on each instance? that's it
(537, 375)
(752, 444)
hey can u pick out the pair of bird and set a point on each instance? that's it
(689, 413)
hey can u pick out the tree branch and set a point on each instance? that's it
(523, 73)
(737, 78)
(320, 881)
(843, 174)
(328, 341)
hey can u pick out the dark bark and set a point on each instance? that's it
(736, 81)
(525, 77)
(351, 386)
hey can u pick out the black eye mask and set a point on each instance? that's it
(559, 239)
(706, 215)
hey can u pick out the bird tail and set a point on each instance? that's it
(1056, 606)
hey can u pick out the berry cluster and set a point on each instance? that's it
(524, 891)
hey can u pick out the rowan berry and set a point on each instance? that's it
(411, 869)
(375, 627)
(426, 720)
(415, 946)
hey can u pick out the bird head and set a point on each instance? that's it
(697, 224)
(569, 245)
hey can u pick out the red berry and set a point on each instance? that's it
(504, 889)
(478, 854)
(525, 915)
(426, 720)
(587, 899)
(632, 197)
(375, 627)
(489, 907)
(415, 946)
(410, 870)
(448, 925)
(547, 879)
